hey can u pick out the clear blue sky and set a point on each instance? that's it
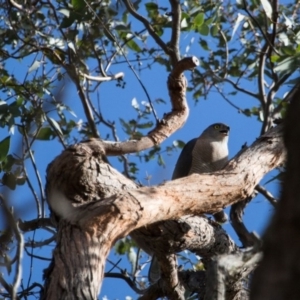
(115, 104)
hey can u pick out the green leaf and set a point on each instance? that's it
(151, 6)
(204, 45)
(78, 5)
(204, 29)
(214, 30)
(134, 46)
(46, 134)
(161, 161)
(199, 19)
(145, 125)
(9, 180)
(4, 148)
(68, 21)
(178, 143)
(209, 21)
(287, 65)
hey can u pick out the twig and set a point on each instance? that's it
(36, 171)
(20, 7)
(267, 194)
(102, 79)
(37, 256)
(125, 278)
(34, 244)
(150, 29)
(20, 245)
(72, 72)
(175, 35)
(229, 101)
(35, 224)
(237, 87)
(265, 35)
(261, 78)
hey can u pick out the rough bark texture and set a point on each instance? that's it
(100, 205)
(77, 266)
(277, 278)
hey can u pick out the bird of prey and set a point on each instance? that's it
(205, 154)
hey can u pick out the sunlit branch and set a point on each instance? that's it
(102, 79)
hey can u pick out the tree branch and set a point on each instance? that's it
(97, 205)
(176, 25)
(171, 122)
(148, 26)
(267, 194)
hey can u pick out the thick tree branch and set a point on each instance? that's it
(102, 205)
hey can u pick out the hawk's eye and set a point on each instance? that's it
(217, 126)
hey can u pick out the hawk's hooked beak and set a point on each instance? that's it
(225, 131)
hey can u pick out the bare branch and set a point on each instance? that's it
(265, 35)
(247, 238)
(20, 245)
(267, 194)
(237, 87)
(102, 79)
(72, 72)
(261, 79)
(19, 7)
(126, 278)
(171, 122)
(35, 224)
(41, 212)
(176, 26)
(149, 28)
